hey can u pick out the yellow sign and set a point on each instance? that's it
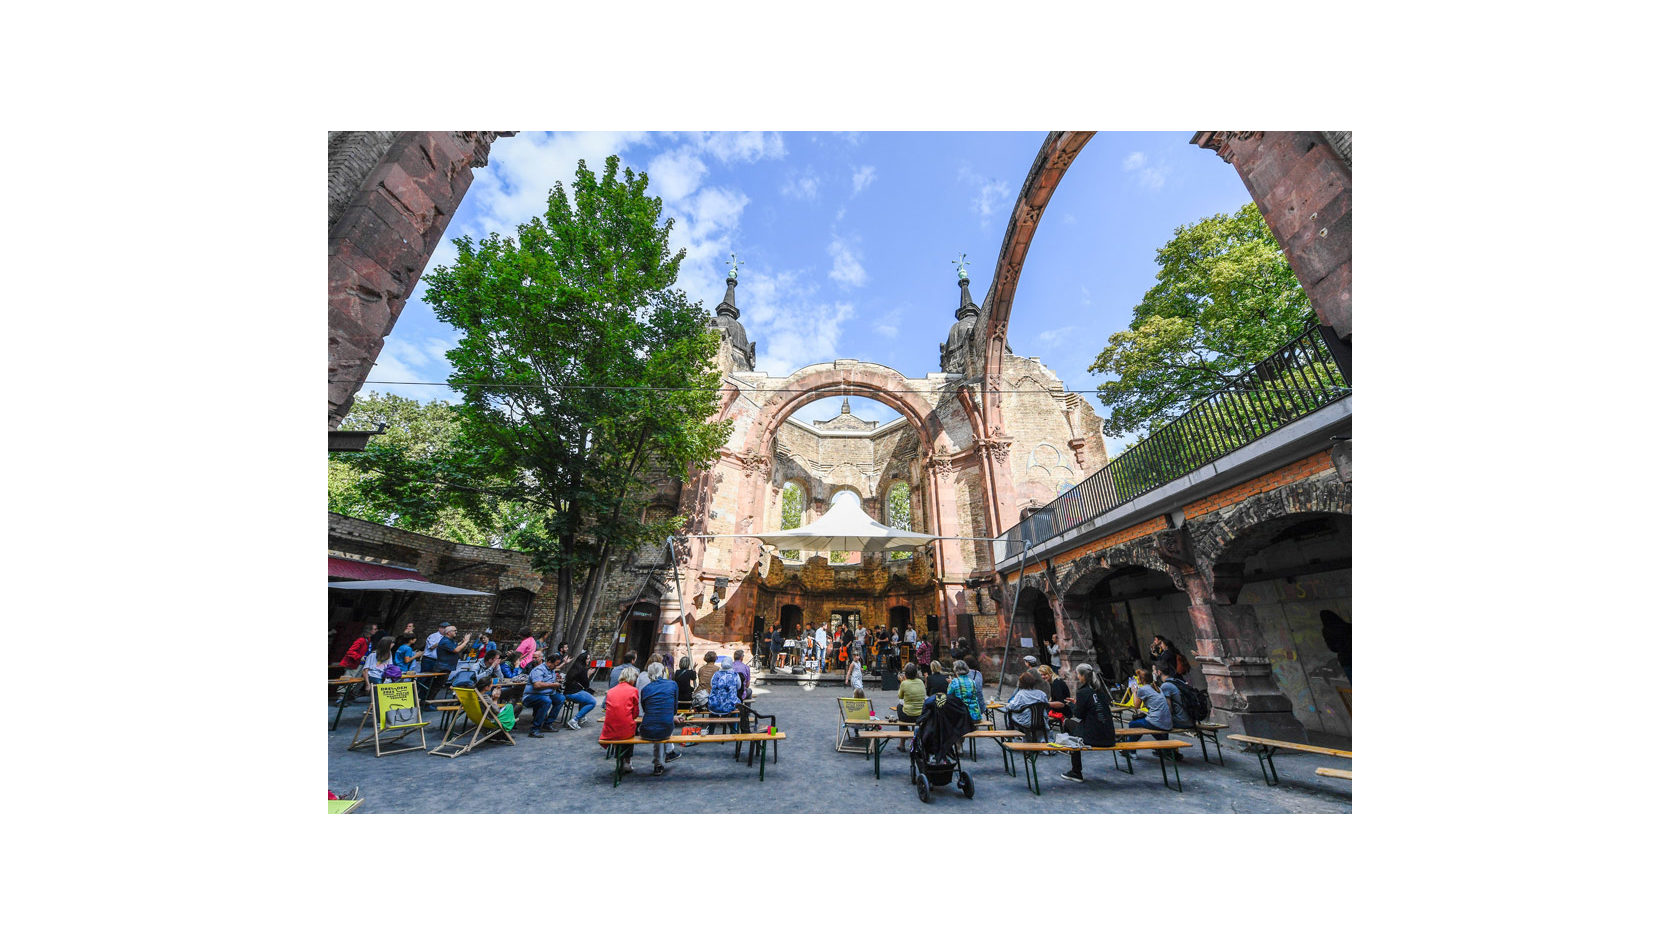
(396, 705)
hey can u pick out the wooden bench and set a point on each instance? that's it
(880, 739)
(1340, 774)
(737, 737)
(1204, 731)
(1265, 748)
(1031, 751)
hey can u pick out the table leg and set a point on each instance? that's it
(879, 744)
(761, 754)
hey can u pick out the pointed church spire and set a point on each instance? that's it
(727, 306)
(967, 307)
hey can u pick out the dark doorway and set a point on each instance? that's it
(899, 617)
(793, 619)
(640, 639)
(933, 634)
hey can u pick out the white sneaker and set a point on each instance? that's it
(573, 724)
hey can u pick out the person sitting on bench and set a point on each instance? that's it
(623, 704)
(725, 696)
(577, 688)
(963, 686)
(685, 679)
(1029, 689)
(1173, 686)
(912, 696)
(1157, 712)
(1094, 720)
(543, 695)
(659, 708)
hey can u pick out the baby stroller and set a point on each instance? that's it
(936, 748)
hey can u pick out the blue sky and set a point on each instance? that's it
(845, 239)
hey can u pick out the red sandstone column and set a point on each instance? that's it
(1229, 646)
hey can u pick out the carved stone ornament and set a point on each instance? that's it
(753, 462)
(995, 449)
(1220, 142)
(1176, 548)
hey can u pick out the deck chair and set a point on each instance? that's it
(382, 738)
(479, 725)
(852, 713)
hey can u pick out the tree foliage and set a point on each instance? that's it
(1224, 298)
(793, 513)
(401, 479)
(898, 514)
(585, 375)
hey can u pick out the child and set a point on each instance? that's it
(490, 695)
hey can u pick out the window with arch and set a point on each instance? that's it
(793, 513)
(898, 514)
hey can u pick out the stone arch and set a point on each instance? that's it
(1243, 529)
(874, 381)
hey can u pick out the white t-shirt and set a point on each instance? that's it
(431, 644)
(910, 636)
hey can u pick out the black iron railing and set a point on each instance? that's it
(1305, 375)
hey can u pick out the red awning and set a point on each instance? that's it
(362, 571)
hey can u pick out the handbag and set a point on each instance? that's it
(403, 716)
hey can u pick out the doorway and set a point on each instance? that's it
(899, 618)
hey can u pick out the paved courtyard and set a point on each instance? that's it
(567, 773)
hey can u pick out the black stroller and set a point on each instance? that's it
(936, 749)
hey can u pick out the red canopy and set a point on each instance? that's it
(362, 571)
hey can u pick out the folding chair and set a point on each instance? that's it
(375, 710)
(484, 727)
(853, 712)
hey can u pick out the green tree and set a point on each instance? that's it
(898, 514)
(586, 377)
(793, 513)
(1224, 299)
(400, 479)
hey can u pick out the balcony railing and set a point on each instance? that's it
(1298, 379)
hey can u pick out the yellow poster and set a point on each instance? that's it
(396, 705)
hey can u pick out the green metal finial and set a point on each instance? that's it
(962, 265)
(734, 266)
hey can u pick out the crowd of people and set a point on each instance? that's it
(881, 648)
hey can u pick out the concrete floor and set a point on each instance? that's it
(566, 772)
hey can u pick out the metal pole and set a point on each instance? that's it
(676, 584)
(1009, 630)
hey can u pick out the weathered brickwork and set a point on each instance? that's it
(382, 228)
(1294, 472)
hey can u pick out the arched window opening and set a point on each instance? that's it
(898, 514)
(793, 513)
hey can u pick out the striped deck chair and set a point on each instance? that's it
(478, 726)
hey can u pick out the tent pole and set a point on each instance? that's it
(1009, 630)
(676, 584)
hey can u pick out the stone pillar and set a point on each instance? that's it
(1230, 647)
(1302, 181)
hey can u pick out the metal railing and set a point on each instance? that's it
(1308, 373)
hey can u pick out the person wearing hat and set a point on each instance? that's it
(441, 656)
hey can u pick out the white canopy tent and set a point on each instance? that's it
(844, 527)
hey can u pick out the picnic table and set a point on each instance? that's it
(1031, 750)
(755, 738)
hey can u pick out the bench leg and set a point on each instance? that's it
(1116, 760)
(1008, 759)
(1032, 772)
(1128, 762)
(618, 764)
(879, 744)
(1163, 757)
(1271, 776)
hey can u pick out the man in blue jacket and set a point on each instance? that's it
(659, 709)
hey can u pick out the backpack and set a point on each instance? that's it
(1196, 703)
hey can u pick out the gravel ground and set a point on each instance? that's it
(566, 772)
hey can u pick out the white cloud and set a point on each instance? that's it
(706, 224)
(514, 187)
(1055, 336)
(749, 146)
(991, 194)
(848, 264)
(792, 328)
(1084, 295)
(674, 175)
(401, 360)
(1149, 176)
(802, 186)
(862, 178)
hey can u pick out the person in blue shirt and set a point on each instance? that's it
(543, 693)
(659, 708)
(405, 651)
